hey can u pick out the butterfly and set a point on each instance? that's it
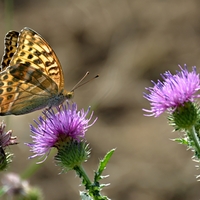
(31, 76)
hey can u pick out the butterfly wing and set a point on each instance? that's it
(24, 90)
(10, 48)
(32, 50)
(31, 76)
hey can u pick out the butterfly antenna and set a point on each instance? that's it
(79, 84)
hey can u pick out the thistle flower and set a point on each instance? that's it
(177, 95)
(6, 139)
(65, 130)
(173, 92)
(60, 130)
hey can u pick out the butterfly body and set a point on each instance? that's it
(31, 77)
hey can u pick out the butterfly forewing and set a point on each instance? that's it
(33, 50)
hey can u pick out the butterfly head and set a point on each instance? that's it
(68, 95)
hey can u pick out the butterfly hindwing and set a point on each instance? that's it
(24, 92)
(10, 48)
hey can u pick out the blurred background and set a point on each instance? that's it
(128, 43)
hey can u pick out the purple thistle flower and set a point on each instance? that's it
(174, 91)
(6, 138)
(54, 129)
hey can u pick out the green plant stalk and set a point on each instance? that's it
(195, 139)
(89, 186)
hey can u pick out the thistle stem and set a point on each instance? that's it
(195, 139)
(82, 174)
(92, 189)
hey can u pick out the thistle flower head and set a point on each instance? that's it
(57, 129)
(174, 91)
(6, 139)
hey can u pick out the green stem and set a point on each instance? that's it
(82, 174)
(89, 186)
(195, 138)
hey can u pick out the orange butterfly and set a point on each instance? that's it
(31, 76)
